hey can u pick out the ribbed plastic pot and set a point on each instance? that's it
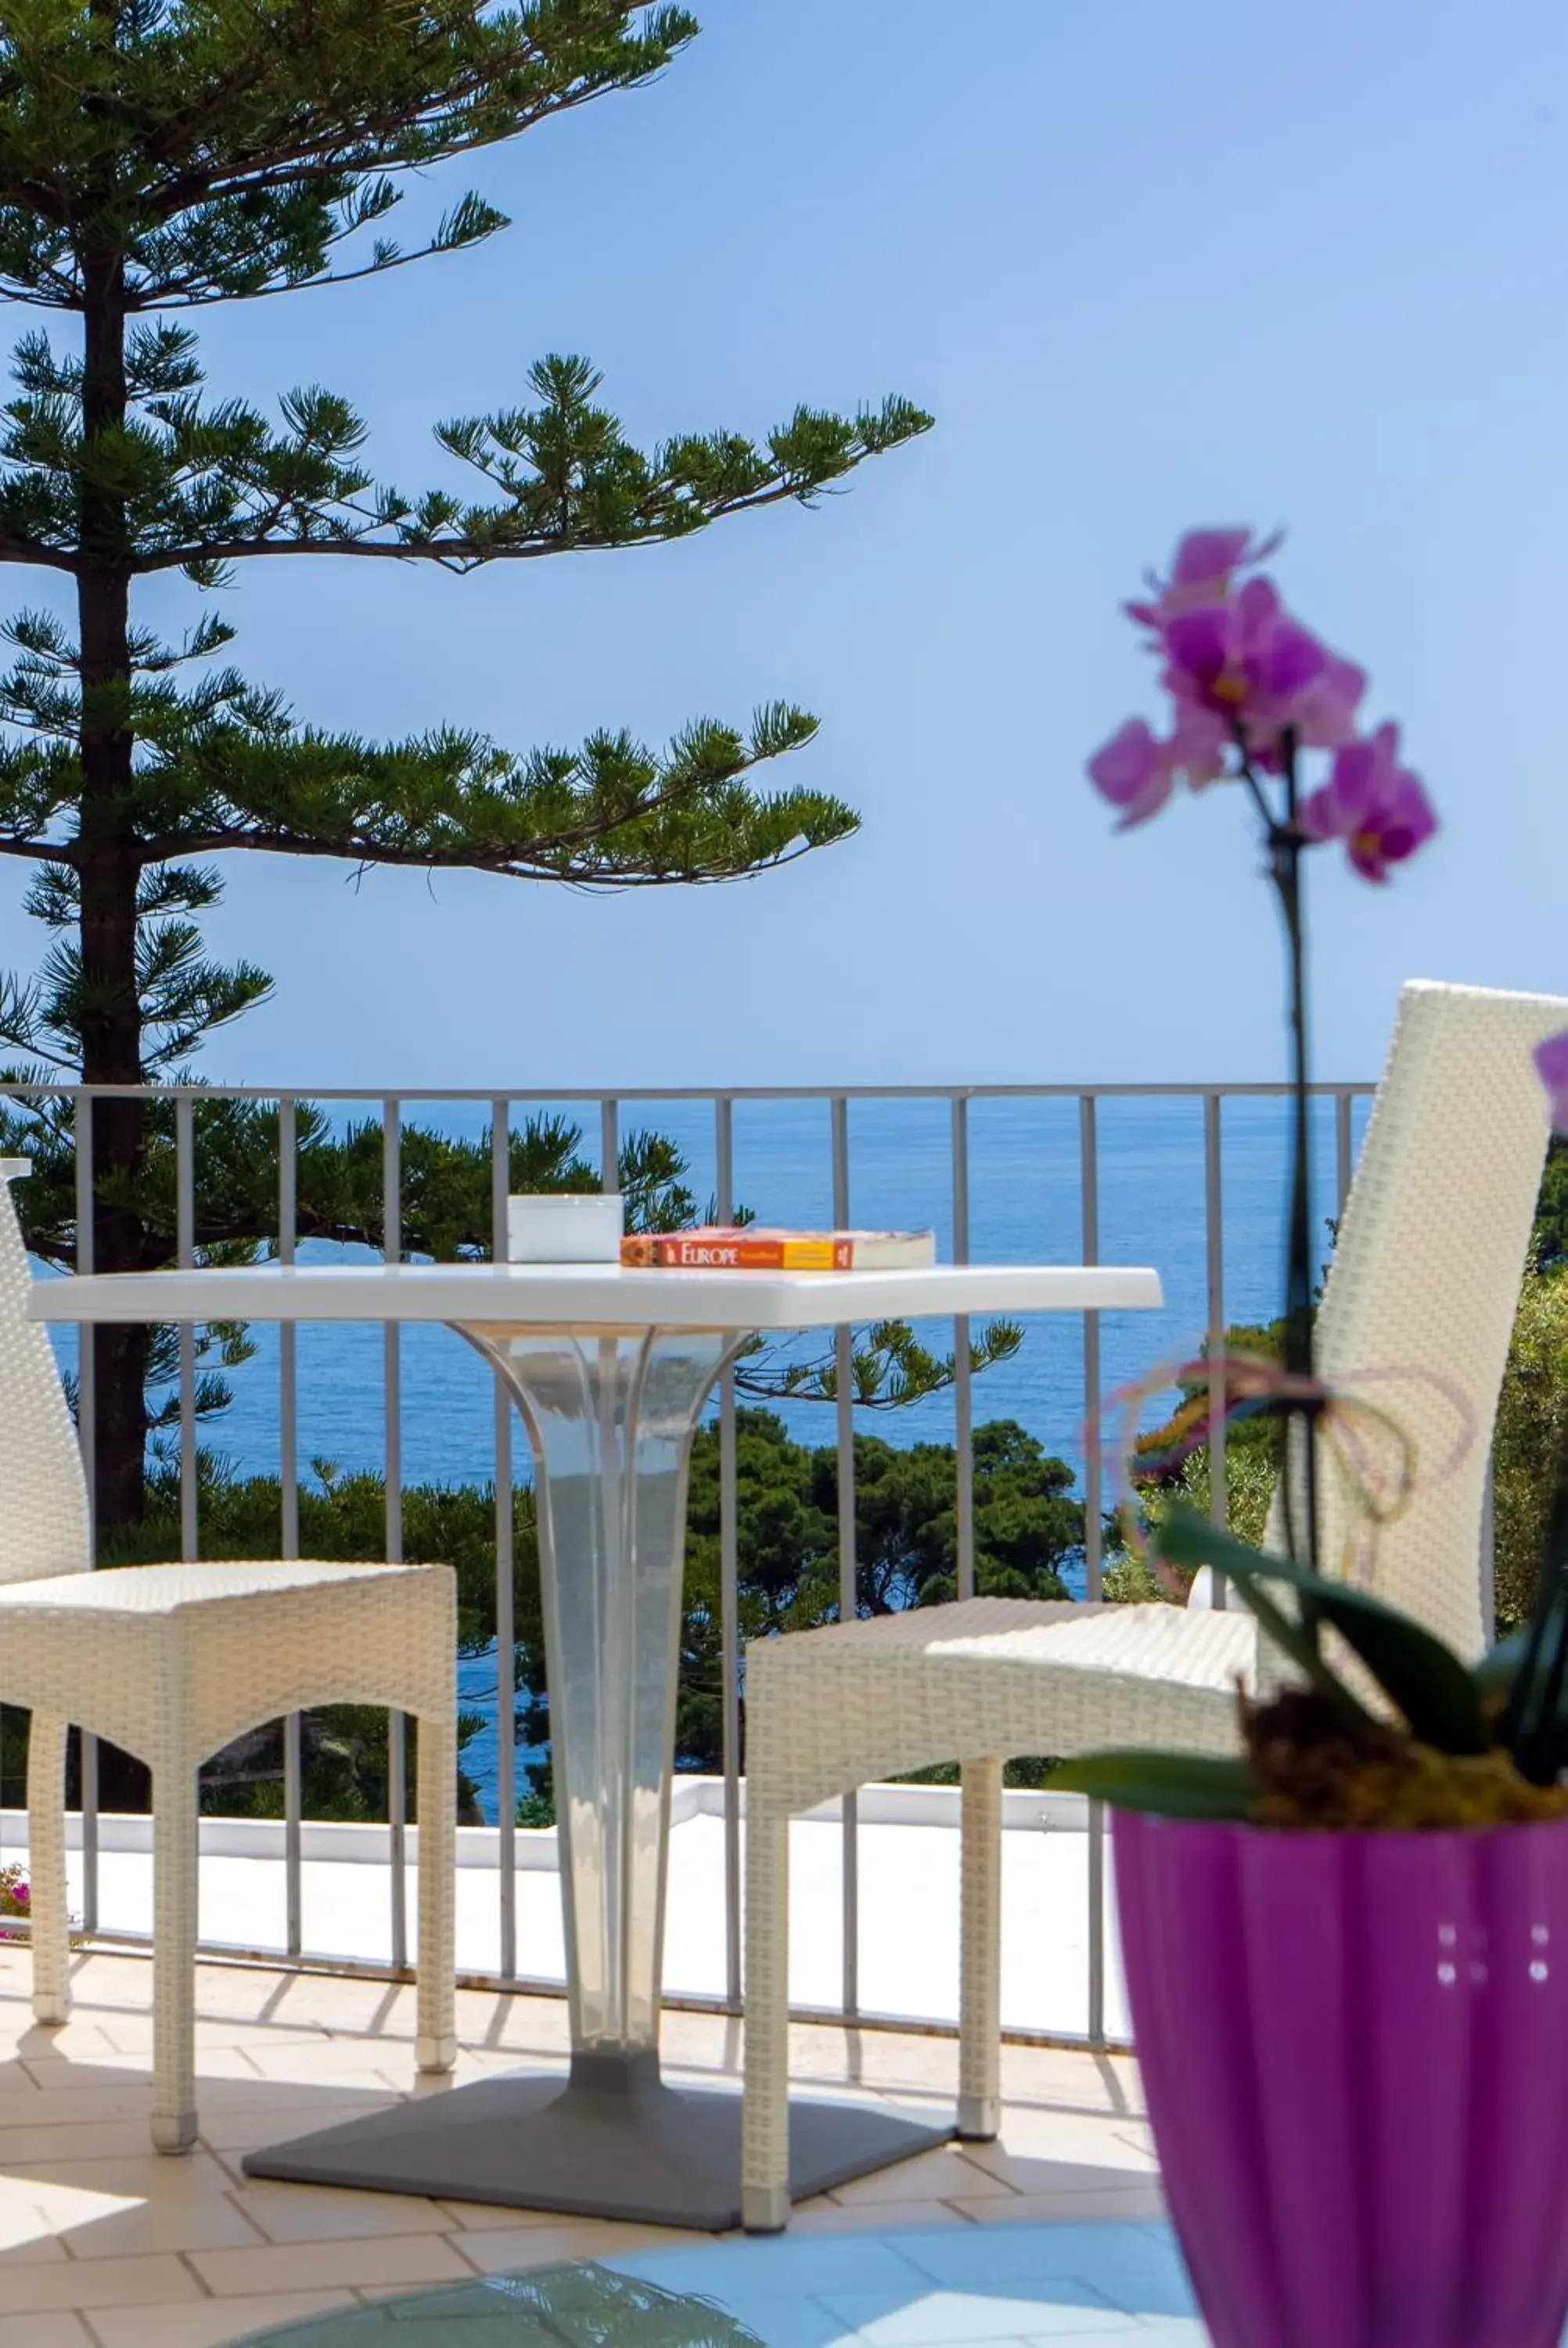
(1355, 2049)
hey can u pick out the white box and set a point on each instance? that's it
(566, 1226)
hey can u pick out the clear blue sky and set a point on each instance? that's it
(1148, 266)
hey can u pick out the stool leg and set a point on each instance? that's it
(49, 1907)
(979, 1996)
(765, 2120)
(436, 1795)
(174, 1894)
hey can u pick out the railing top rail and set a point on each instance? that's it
(379, 1096)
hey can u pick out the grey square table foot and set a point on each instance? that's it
(614, 2142)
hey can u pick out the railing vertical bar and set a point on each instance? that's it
(289, 1482)
(609, 1144)
(1093, 1463)
(849, 1580)
(87, 1435)
(1344, 1150)
(184, 1254)
(963, 1389)
(1093, 1514)
(397, 1724)
(506, 1618)
(1215, 1245)
(728, 1593)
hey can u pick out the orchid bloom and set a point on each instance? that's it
(1250, 689)
(1131, 771)
(1248, 661)
(1378, 807)
(1137, 772)
(1205, 567)
(1552, 1067)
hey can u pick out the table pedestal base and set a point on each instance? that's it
(613, 2142)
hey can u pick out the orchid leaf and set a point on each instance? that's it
(1493, 1678)
(1426, 1680)
(1512, 1684)
(1162, 1784)
(1187, 1539)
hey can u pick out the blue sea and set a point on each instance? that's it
(1025, 1206)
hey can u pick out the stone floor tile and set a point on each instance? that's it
(57, 2330)
(785, 2322)
(1046, 2180)
(488, 2217)
(341, 2264)
(943, 2174)
(1132, 2204)
(131, 2177)
(206, 2322)
(111, 2096)
(331, 2059)
(76, 2041)
(87, 2284)
(37, 2247)
(777, 2265)
(206, 2221)
(81, 2139)
(347, 2008)
(837, 2218)
(111, 1980)
(1033, 2140)
(1071, 2079)
(704, 2043)
(131, 2033)
(487, 2019)
(940, 2319)
(310, 2213)
(217, 2098)
(276, 2115)
(485, 2062)
(48, 2068)
(499, 2251)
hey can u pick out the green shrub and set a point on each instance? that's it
(1532, 1423)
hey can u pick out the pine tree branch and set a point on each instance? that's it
(173, 298)
(455, 553)
(34, 552)
(443, 125)
(521, 862)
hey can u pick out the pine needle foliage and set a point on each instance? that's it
(161, 155)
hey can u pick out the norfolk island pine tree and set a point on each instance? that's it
(155, 158)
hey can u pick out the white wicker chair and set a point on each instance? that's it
(1427, 1272)
(171, 1663)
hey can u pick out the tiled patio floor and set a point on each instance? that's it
(102, 2243)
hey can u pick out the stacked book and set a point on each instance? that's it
(749, 1247)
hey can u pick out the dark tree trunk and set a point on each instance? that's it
(108, 870)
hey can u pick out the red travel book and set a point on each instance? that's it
(748, 1247)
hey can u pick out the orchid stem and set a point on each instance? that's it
(1287, 842)
(1254, 786)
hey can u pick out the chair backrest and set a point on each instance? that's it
(1428, 1262)
(44, 1523)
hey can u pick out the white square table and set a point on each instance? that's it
(610, 1370)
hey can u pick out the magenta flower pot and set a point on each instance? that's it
(1355, 2049)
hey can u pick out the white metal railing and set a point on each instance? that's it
(502, 1107)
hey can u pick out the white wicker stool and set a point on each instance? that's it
(1427, 1270)
(172, 1663)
